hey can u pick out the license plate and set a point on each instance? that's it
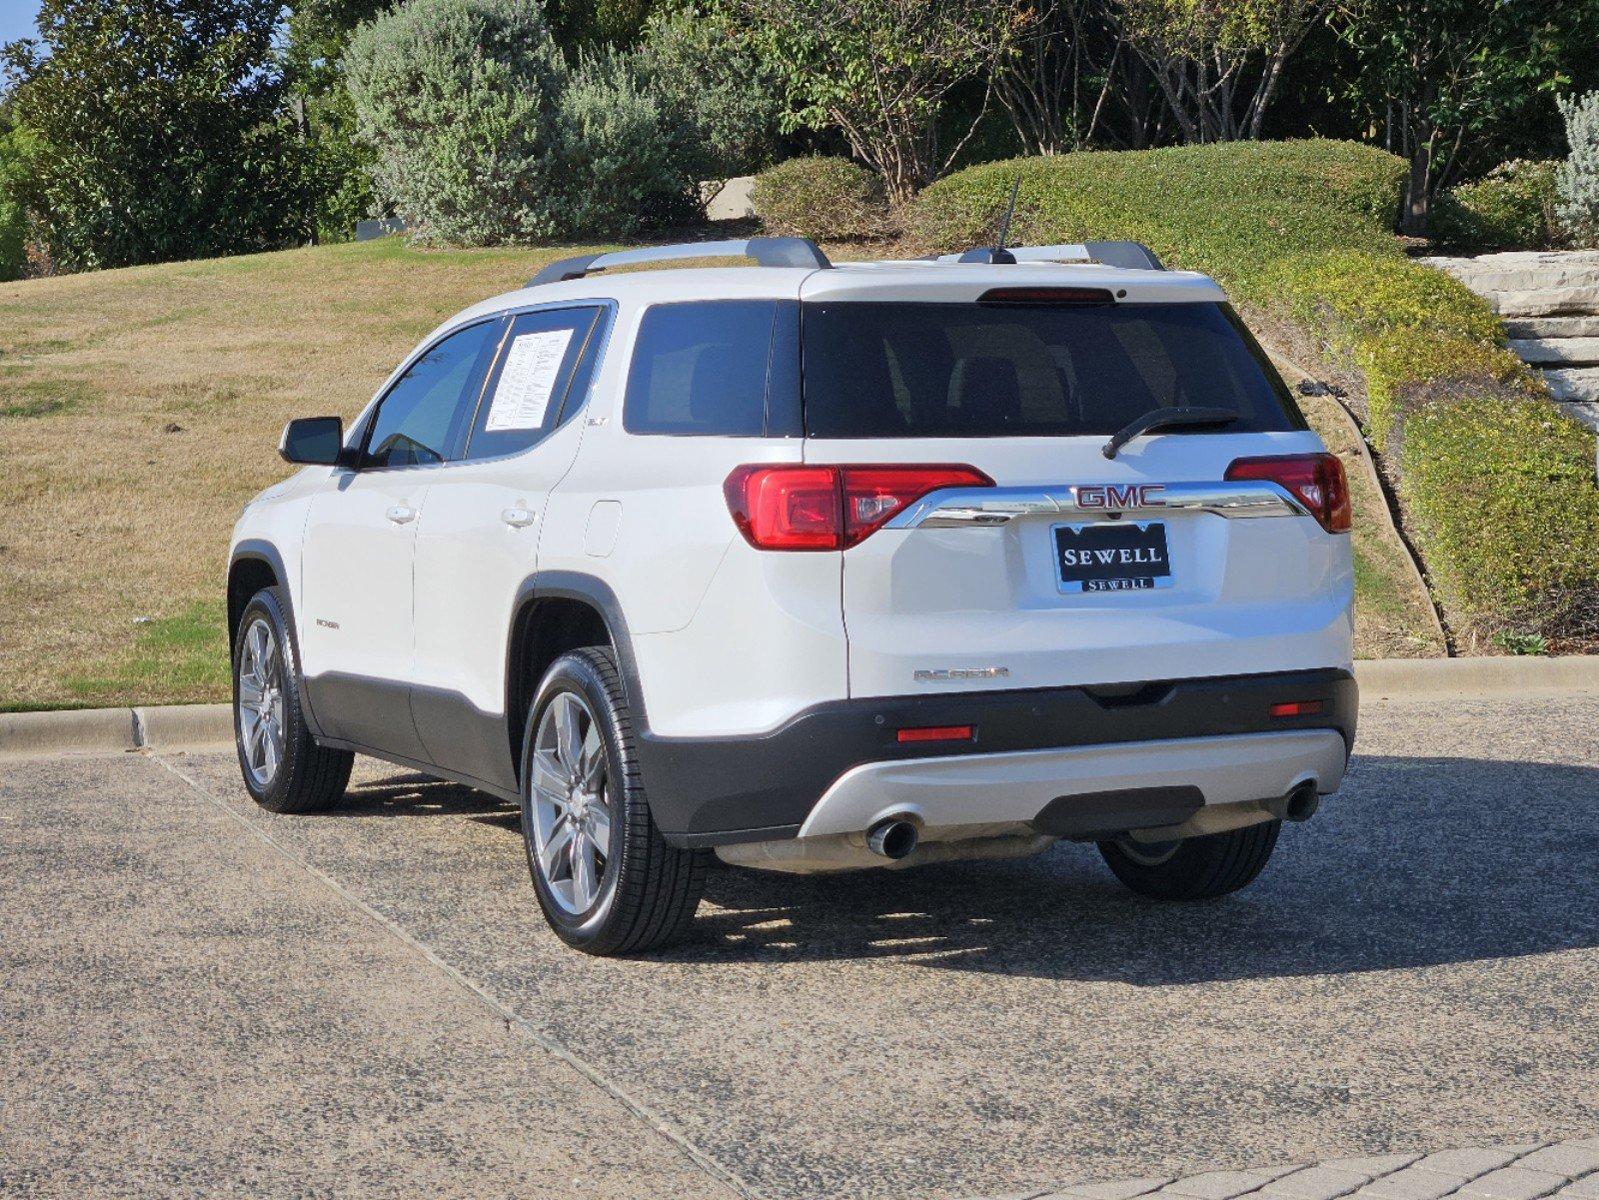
(1112, 556)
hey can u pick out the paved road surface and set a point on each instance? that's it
(198, 997)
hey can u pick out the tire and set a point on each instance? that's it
(634, 892)
(301, 776)
(1200, 868)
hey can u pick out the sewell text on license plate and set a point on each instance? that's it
(1112, 556)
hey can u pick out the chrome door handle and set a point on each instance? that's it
(401, 514)
(518, 518)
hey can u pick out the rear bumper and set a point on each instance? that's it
(721, 791)
(1083, 791)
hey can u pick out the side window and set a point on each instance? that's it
(423, 417)
(539, 376)
(705, 367)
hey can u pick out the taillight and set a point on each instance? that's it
(1316, 480)
(830, 507)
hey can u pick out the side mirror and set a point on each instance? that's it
(316, 440)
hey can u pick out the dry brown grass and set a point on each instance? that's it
(139, 409)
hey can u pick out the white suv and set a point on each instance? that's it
(816, 567)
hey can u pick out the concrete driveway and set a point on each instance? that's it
(200, 998)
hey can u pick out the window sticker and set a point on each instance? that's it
(523, 391)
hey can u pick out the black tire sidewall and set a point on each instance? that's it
(573, 672)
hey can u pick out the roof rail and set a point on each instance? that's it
(1127, 255)
(767, 251)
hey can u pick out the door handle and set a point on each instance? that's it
(401, 514)
(518, 518)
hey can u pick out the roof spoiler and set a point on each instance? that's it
(1132, 256)
(766, 251)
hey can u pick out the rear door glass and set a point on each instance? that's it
(896, 369)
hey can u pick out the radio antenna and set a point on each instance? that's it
(1010, 211)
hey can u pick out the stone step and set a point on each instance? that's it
(1545, 302)
(1567, 351)
(1574, 385)
(1552, 327)
(1588, 414)
(1523, 271)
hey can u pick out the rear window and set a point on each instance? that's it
(874, 369)
(712, 367)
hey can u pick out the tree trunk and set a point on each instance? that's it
(1417, 210)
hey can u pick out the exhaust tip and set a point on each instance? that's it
(1303, 802)
(892, 838)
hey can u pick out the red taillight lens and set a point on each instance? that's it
(831, 507)
(1316, 479)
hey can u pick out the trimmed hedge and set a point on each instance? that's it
(1501, 492)
(1229, 210)
(822, 198)
(1497, 482)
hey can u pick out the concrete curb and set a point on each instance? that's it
(1466, 678)
(101, 730)
(210, 726)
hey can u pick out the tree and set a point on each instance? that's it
(340, 165)
(879, 72)
(157, 130)
(458, 99)
(1058, 86)
(1440, 76)
(1219, 62)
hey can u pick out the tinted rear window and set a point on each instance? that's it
(876, 369)
(708, 368)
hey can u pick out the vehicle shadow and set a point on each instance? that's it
(1417, 862)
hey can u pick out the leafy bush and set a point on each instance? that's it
(1577, 179)
(1502, 495)
(1510, 208)
(623, 150)
(1498, 483)
(15, 150)
(1229, 210)
(820, 198)
(458, 99)
(158, 131)
(1398, 322)
(722, 97)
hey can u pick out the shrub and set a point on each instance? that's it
(1510, 208)
(15, 148)
(457, 98)
(722, 97)
(1229, 210)
(1502, 494)
(829, 198)
(1577, 179)
(625, 164)
(1396, 321)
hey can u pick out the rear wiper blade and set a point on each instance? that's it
(1168, 418)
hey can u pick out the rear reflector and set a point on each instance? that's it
(1316, 480)
(1296, 708)
(1046, 295)
(831, 507)
(936, 733)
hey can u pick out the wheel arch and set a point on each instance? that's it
(554, 612)
(255, 564)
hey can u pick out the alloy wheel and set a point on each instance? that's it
(260, 703)
(571, 805)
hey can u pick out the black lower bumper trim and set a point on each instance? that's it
(717, 791)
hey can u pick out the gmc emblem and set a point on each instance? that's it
(1109, 496)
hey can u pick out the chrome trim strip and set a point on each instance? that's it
(959, 508)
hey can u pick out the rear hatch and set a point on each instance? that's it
(1071, 567)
